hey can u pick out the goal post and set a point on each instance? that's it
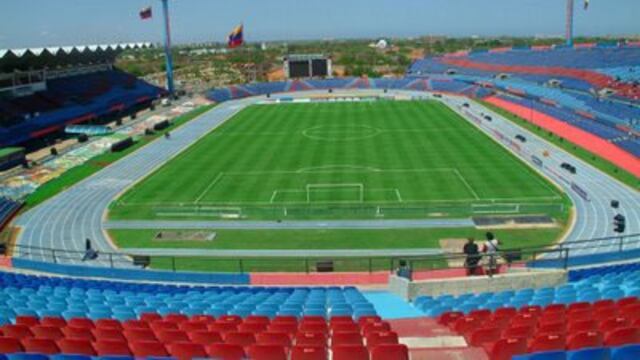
(329, 190)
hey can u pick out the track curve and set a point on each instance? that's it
(66, 220)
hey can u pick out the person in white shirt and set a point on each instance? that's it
(491, 248)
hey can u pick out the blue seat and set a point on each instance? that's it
(590, 354)
(627, 352)
(27, 356)
(69, 357)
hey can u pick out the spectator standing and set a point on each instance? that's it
(472, 259)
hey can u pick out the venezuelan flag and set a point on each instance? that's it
(236, 37)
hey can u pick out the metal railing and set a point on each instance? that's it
(560, 254)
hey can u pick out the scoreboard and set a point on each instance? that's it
(307, 66)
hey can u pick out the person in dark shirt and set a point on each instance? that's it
(470, 249)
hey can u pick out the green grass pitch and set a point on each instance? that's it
(390, 159)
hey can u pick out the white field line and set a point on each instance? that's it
(398, 195)
(211, 185)
(464, 181)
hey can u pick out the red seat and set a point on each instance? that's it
(17, 331)
(53, 321)
(170, 336)
(76, 346)
(341, 320)
(176, 318)
(47, 332)
(139, 335)
(578, 306)
(239, 338)
(29, 321)
(627, 301)
(223, 327)
(9, 345)
(466, 324)
(274, 338)
(84, 323)
(205, 337)
(284, 320)
(346, 338)
(521, 331)
(558, 327)
(379, 338)
(345, 327)
(584, 339)
(554, 308)
(390, 352)
(580, 315)
(111, 347)
(482, 314)
(631, 311)
(230, 319)
(525, 319)
(350, 352)
(506, 348)
(42, 346)
(308, 353)
(501, 322)
(289, 328)
(159, 325)
(505, 312)
(313, 319)
(150, 317)
(485, 335)
(311, 339)
(147, 348)
(108, 324)
(603, 314)
(209, 319)
(449, 317)
(581, 326)
(267, 352)
(77, 333)
(108, 334)
(314, 327)
(531, 309)
(622, 336)
(226, 352)
(186, 350)
(547, 342)
(612, 324)
(189, 326)
(600, 304)
(363, 320)
(135, 324)
(375, 327)
(252, 319)
(252, 327)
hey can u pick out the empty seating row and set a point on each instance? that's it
(555, 327)
(626, 352)
(199, 336)
(69, 298)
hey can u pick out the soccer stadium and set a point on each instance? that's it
(455, 196)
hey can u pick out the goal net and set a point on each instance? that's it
(351, 192)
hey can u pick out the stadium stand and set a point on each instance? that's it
(77, 89)
(8, 209)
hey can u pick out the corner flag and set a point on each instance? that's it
(236, 37)
(146, 13)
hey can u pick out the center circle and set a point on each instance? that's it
(341, 132)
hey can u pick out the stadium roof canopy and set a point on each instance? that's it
(62, 56)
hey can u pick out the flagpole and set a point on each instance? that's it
(167, 47)
(569, 24)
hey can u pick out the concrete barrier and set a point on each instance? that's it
(515, 280)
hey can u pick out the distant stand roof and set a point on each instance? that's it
(62, 56)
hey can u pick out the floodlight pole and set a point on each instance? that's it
(167, 47)
(569, 24)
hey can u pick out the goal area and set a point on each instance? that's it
(338, 192)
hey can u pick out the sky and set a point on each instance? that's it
(36, 23)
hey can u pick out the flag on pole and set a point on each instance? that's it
(586, 4)
(146, 13)
(236, 37)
